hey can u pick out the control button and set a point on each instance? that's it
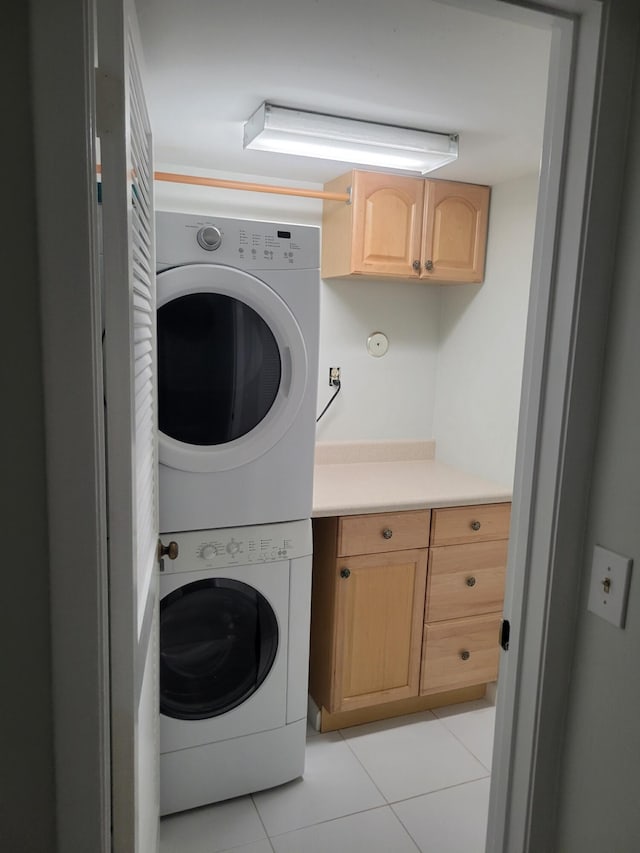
(209, 238)
(208, 552)
(233, 547)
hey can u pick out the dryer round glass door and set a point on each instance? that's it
(232, 367)
(218, 642)
(219, 369)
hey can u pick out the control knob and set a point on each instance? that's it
(209, 238)
(233, 547)
(208, 552)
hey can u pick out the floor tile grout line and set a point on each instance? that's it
(406, 829)
(339, 817)
(387, 805)
(262, 822)
(461, 742)
(384, 804)
(407, 799)
(397, 817)
(373, 781)
(386, 799)
(439, 790)
(468, 748)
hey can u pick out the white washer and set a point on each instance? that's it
(234, 651)
(238, 319)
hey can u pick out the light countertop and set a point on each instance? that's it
(365, 477)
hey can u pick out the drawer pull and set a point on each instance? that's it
(465, 655)
(387, 533)
(475, 525)
(344, 573)
(471, 581)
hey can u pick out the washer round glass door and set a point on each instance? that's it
(218, 642)
(232, 367)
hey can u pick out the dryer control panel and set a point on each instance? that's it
(245, 244)
(238, 546)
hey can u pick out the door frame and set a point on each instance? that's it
(64, 105)
(592, 61)
(565, 340)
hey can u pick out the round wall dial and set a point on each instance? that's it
(377, 344)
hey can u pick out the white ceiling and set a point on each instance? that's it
(415, 63)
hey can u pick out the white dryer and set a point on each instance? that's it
(238, 319)
(234, 651)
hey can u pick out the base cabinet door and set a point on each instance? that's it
(379, 615)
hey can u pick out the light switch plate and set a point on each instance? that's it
(609, 588)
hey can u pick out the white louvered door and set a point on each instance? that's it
(130, 399)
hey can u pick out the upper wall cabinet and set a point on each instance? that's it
(397, 227)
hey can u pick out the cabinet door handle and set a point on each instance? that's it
(387, 533)
(428, 265)
(416, 265)
(344, 573)
(465, 655)
(475, 525)
(471, 581)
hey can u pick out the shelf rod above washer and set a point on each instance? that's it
(174, 178)
(250, 187)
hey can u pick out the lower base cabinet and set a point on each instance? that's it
(406, 608)
(369, 581)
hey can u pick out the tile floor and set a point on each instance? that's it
(415, 783)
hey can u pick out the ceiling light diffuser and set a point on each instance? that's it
(307, 134)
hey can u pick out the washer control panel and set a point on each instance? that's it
(239, 546)
(247, 550)
(247, 244)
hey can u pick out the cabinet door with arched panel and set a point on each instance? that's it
(387, 224)
(405, 228)
(456, 218)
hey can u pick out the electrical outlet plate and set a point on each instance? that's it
(609, 587)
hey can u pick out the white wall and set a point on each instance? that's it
(390, 397)
(481, 349)
(598, 808)
(454, 364)
(381, 398)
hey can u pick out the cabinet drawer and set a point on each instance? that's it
(459, 653)
(385, 531)
(464, 524)
(466, 580)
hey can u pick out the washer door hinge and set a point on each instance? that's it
(505, 630)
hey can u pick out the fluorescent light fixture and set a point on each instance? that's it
(289, 131)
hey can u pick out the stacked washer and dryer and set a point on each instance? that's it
(238, 317)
